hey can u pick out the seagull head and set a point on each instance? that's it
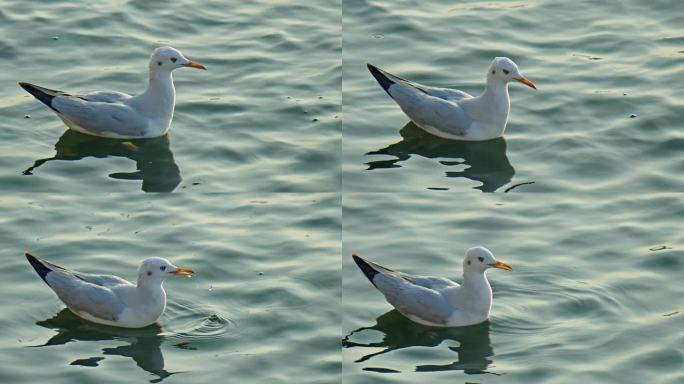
(504, 69)
(479, 259)
(157, 269)
(168, 59)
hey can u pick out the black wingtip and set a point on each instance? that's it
(384, 81)
(44, 95)
(40, 268)
(366, 268)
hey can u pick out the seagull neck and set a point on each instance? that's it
(495, 90)
(148, 286)
(160, 82)
(159, 99)
(474, 279)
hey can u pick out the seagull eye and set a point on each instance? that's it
(159, 63)
(163, 267)
(173, 59)
(149, 273)
(506, 72)
(493, 71)
(468, 262)
(481, 259)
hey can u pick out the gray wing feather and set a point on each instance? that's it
(106, 281)
(106, 97)
(413, 299)
(430, 111)
(102, 280)
(446, 93)
(83, 296)
(432, 282)
(101, 117)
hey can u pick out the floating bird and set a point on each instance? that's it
(454, 114)
(437, 301)
(116, 114)
(111, 300)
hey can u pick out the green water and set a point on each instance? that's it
(266, 191)
(592, 219)
(264, 264)
(264, 118)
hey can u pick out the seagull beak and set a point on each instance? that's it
(501, 265)
(183, 272)
(525, 81)
(192, 64)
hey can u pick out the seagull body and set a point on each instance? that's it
(111, 300)
(116, 114)
(437, 301)
(454, 114)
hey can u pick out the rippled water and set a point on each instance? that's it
(595, 65)
(582, 196)
(263, 288)
(593, 295)
(265, 116)
(583, 192)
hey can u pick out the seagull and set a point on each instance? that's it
(111, 300)
(437, 301)
(454, 114)
(116, 114)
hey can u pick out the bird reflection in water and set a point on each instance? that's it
(154, 160)
(144, 343)
(486, 160)
(474, 350)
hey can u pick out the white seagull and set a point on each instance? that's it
(111, 300)
(437, 301)
(454, 114)
(116, 114)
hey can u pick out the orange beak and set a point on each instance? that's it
(183, 272)
(192, 64)
(501, 265)
(526, 82)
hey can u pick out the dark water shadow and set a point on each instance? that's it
(486, 160)
(153, 158)
(144, 343)
(473, 353)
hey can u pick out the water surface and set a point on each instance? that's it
(607, 114)
(260, 118)
(583, 191)
(261, 307)
(594, 294)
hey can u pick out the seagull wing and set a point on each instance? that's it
(387, 79)
(101, 118)
(434, 109)
(445, 93)
(106, 281)
(77, 293)
(106, 97)
(99, 113)
(432, 282)
(82, 296)
(412, 299)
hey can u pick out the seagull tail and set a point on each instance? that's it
(381, 76)
(39, 266)
(365, 267)
(44, 95)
